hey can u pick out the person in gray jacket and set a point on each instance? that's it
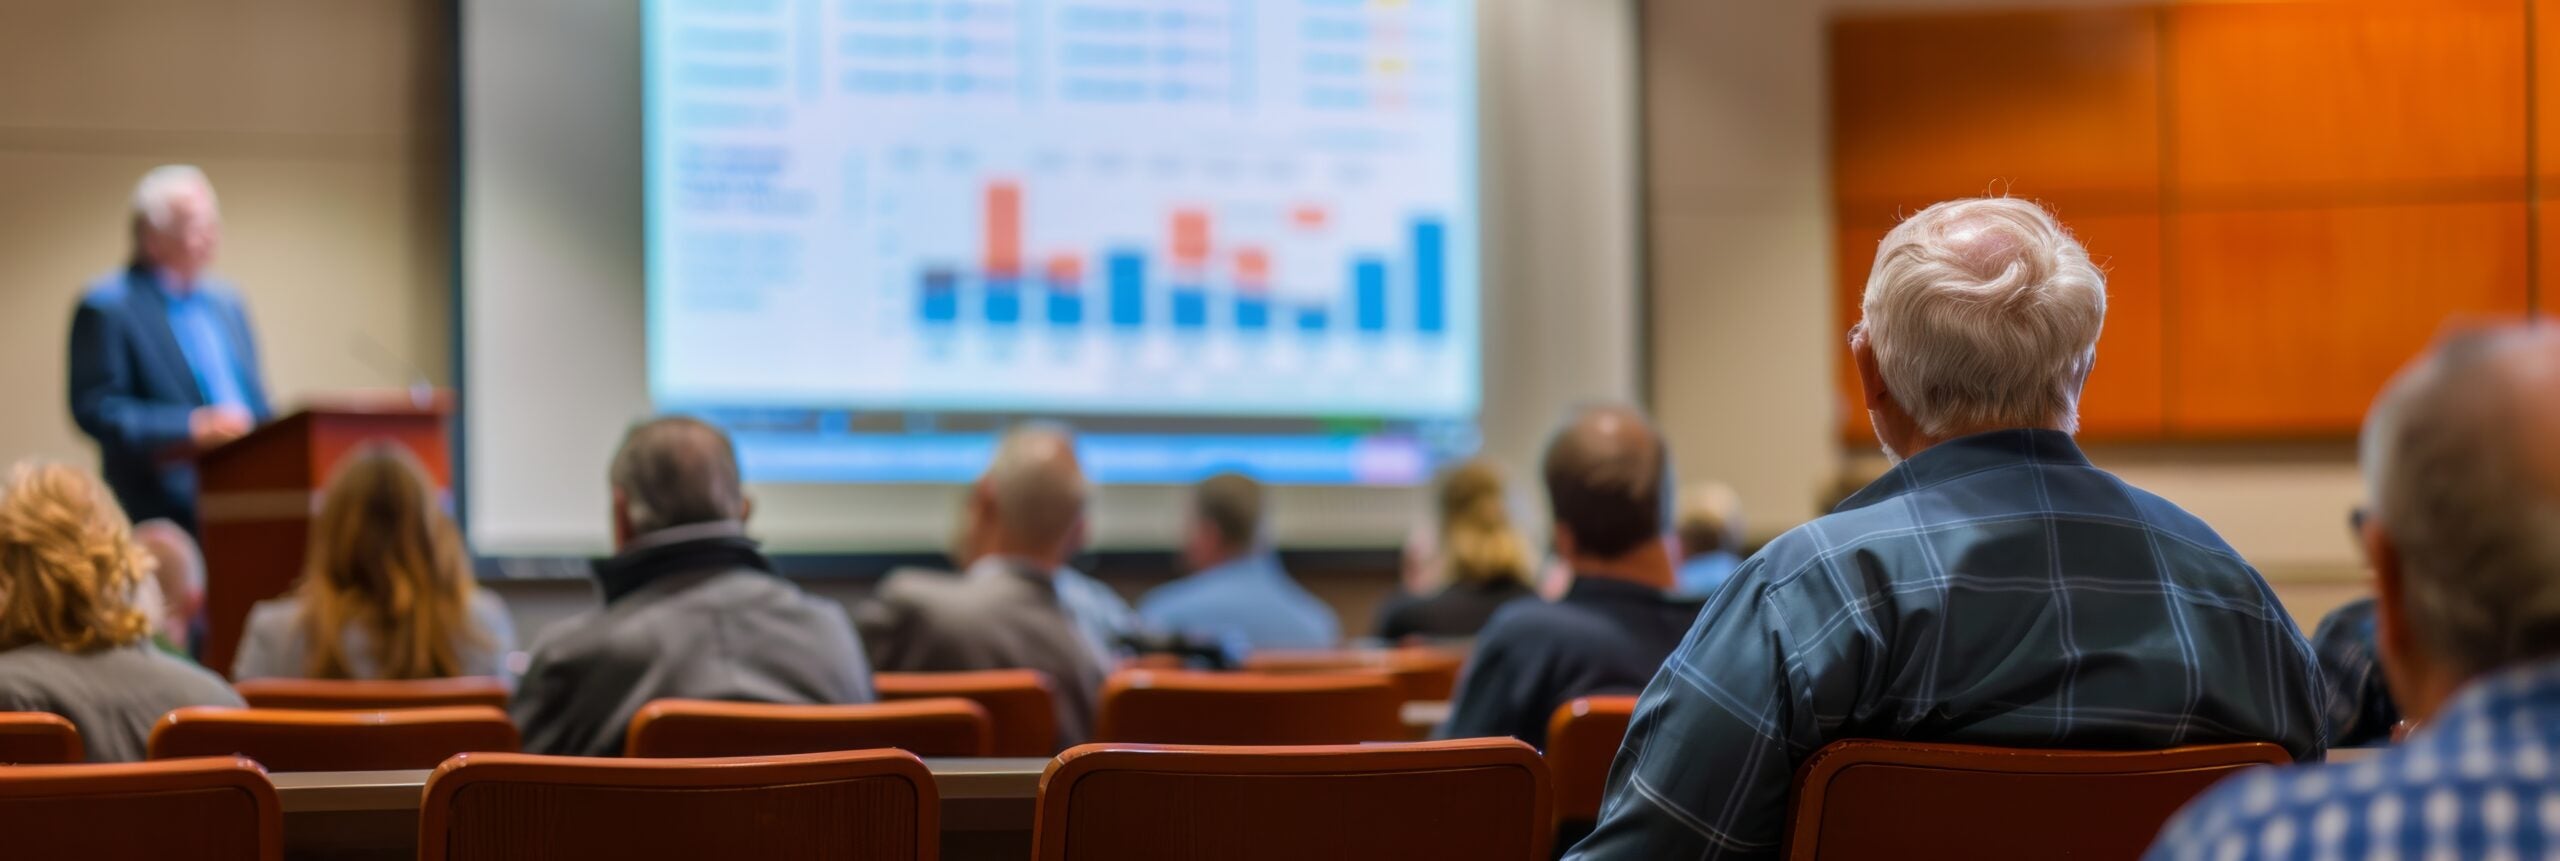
(691, 607)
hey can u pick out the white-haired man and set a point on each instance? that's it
(1009, 610)
(1993, 588)
(163, 361)
(2462, 472)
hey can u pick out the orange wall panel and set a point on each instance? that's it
(2053, 105)
(2345, 101)
(2287, 322)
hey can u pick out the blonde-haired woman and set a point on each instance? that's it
(75, 622)
(1481, 560)
(386, 590)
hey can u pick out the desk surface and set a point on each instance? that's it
(357, 791)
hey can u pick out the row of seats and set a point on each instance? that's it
(1471, 798)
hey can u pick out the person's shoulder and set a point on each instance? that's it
(2240, 810)
(274, 611)
(188, 679)
(1542, 622)
(109, 291)
(917, 585)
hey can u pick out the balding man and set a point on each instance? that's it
(1993, 588)
(691, 608)
(1608, 485)
(163, 362)
(1026, 518)
(2462, 475)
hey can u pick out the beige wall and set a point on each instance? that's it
(323, 125)
(1744, 336)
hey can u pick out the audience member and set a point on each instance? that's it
(1483, 562)
(386, 589)
(177, 571)
(691, 607)
(1237, 592)
(1105, 619)
(1710, 537)
(1607, 482)
(2361, 711)
(1993, 588)
(2462, 470)
(1008, 610)
(74, 632)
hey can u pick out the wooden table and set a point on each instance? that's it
(987, 807)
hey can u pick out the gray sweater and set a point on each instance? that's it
(114, 696)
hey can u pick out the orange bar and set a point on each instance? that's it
(1253, 267)
(1309, 217)
(1191, 238)
(1004, 229)
(1065, 270)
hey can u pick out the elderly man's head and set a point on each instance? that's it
(1980, 315)
(1608, 487)
(177, 225)
(1030, 504)
(2462, 469)
(674, 471)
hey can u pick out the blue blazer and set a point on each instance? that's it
(132, 389)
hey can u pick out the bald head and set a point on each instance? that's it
(1605, 478)
(1032, 498)
(2462, 464)
(676, 471)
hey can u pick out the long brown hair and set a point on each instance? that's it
(70, 573)
(385, 558)
(1477, 541)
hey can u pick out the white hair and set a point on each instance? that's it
(2454, 476)
(157, 193)
(1984, 313)
(1038, 486)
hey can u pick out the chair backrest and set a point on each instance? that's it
(1582, 740)
(38, 738)
(1424, 673)
(1183, 707)
(1477, 798)
(947, 726)
(1876, 799)
(372, 694)
(1018, 703)
(298, 740)
(216, 808)
(871, 804)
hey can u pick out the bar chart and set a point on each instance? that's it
(1204, 208)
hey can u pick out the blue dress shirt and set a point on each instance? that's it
(200, 329)
(2477, 782)
(1994, 589)
(1249, 601)
(1701, 574)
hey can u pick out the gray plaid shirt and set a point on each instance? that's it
(1995, 589)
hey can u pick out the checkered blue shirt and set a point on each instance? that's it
(2477, 782)
(1994, 589)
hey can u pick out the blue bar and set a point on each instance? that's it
(941, 296)
(1190, 308)
(1253, 312)
(1004, 300)
(1430, 275)
(1066, 306)
(1311, 319)
(1128, 289)
(1369, 277)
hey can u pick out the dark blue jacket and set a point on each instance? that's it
(132, 389)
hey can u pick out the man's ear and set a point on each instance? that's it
(2390, 604)
(621, 518)
(1862, 350)
(746, 508)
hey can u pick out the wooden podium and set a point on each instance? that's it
(257, 495)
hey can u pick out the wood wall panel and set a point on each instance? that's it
(2060, 106)
(2289, 321)
(2333, 101)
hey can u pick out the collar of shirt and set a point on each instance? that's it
(1967, 455)
(2492, 700)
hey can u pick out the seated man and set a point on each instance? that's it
(1007, 611)
(1238, 593)
(691, 608)
(2462, 468)
(1607, 482)
(1993, 588)
(1710, 533)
